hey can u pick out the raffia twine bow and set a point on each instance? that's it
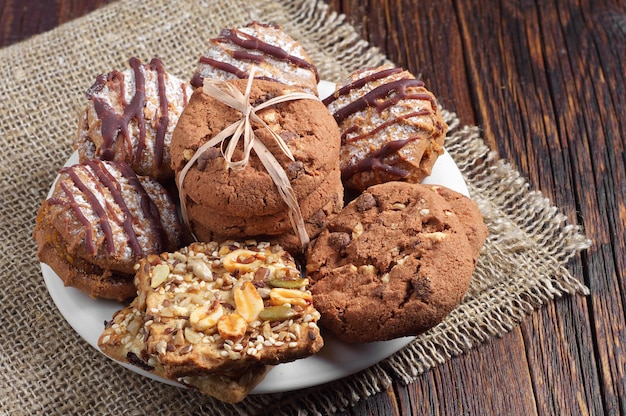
(231, 96)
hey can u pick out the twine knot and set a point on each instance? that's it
(242, 129)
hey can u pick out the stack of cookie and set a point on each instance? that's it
(224, 203)
(391, 125)
(100, 219)
(395, 261)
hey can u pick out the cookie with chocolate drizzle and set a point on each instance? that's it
(130, 117)
(275, 55)
(391, 127)
(99, 221)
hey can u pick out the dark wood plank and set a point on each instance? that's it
(573, 38)
(521, 121)
(531, 68)
(22, 19)
(465, 384)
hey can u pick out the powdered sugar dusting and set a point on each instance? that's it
(267, 66)
(115, 214)
(117, 92)
(370, 128)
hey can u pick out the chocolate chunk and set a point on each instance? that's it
(339, 240)
(365, 201)
(209, 154)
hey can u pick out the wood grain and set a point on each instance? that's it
(22, 19)
(545, 81)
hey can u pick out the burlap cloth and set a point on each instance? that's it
(46, 368)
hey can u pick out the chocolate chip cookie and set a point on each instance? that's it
(393, 263)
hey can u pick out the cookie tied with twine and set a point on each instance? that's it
(228, 140)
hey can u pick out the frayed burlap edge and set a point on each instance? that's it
(521, 268)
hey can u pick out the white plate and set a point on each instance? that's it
(334, 361)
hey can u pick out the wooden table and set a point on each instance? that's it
(545, 81)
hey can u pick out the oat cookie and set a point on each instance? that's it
(275, 55)
(99, 221)
(130, 117)
(393, 263)
(391, 127)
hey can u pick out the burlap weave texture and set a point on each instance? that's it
(46, 368)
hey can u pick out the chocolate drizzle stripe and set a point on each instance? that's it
(89, 242)
(97, 208)
(381, 97)
(352, 129)
(359, 83)
(375, 161)
(224, 66)
(114, 187)
(255, 57)
(163, 121)
(148, 207)
(109, 130)
(197, 80)
(114, 124)
(137, 105)
(250, 42)
(98, 189)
